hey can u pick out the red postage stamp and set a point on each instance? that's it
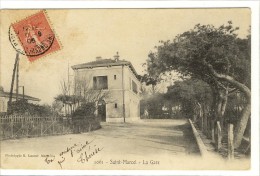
(34, 37)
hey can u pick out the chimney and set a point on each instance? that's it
(116, 57)
(98, 58)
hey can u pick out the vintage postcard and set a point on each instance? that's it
(126, 89)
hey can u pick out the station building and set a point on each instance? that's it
(120, 80)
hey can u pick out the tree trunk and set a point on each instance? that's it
(70, 109)
(65, 109)
(223, 99)
(219, 114)
(205, 116)
(200, 116)
(241, 125)
(224, 103)
(214, 104)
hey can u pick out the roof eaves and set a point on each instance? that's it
(90, 66)
(82, 66)
(133, 70)
(20, 96)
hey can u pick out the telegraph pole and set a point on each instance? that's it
(9, 109)
(123, 90)
(23, 91)
(68, 78)
(17, 79)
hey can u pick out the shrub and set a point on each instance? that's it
(85, 110)
(22, 107)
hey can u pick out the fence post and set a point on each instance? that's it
(230, 141)
(62, 132)
(194, 118)
(12, 127)
(22, 121)
(213, 131)
(27, 128)
(206, 124)
(219, 136)
(90, 126)
(53, 127)
(201, 123)
(41, 128)
(2, 128)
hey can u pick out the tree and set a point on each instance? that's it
(87, 93)
(195, 97)
(64, 97)
(153, 105)
(22, 107)
(83, 94)
(215, 55)
(57, 107)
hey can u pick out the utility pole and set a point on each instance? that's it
(17, 79)
(70, 83)
(9, 109)
(68, 78)
(123, 91)
(23, 91)
(123, 85)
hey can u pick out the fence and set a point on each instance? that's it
(221, 136)
(21, 126)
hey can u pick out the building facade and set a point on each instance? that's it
(118, 80)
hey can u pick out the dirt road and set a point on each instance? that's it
(150, 144)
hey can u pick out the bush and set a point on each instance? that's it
(85, 110)
(83, 118)
(22, 107)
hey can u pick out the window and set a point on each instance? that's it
(100, 82)
(134, 87)
(114, 77)
(115, 105)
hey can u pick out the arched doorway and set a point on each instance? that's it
(102, 110)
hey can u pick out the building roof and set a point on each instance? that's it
(105, 63)
(20, 96)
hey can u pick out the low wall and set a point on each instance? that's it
(203, 150)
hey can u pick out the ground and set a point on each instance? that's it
(150, 144)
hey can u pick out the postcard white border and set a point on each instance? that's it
(254, 5)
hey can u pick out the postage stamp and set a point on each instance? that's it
(33, 36)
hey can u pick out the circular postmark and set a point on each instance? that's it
(30, 40)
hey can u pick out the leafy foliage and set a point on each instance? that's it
(153, 105)
(85, 110)
(192, 52)
(215, 55)
(22, 107)
(189, 93)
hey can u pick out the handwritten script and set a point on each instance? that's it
(82, 152)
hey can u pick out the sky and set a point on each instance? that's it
(87, 33)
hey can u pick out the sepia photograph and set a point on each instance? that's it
(126, 89)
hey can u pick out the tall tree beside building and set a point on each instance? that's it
(215, 55)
